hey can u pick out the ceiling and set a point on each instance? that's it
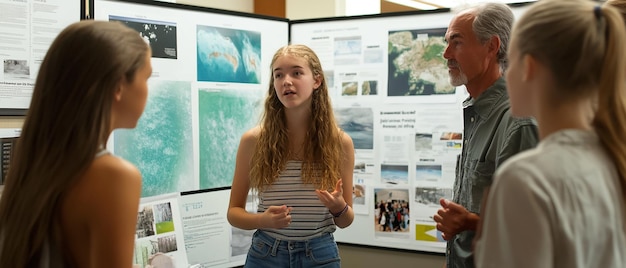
(408, 5)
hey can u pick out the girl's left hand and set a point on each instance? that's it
(333, 201)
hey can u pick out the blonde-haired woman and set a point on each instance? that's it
(562, 203)
(67, 202)
(300, 163)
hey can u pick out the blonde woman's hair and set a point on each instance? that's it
(583, 43)
(68, 121)
(322, 146)
(620, 5)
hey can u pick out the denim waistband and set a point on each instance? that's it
(278, 244)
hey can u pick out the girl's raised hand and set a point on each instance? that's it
(333, 201)
(275, 217)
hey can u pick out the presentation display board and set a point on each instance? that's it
(210, 75)
(391, 94)
(189, 229)
(27, 28)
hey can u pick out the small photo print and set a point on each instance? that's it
(451, 136)
(428, 172)
(369, 88)
(431, 195)
(391, 213)
(163, 218)
(423, 141)
(394, 174)
(144, 249)
(348, 46)
(145, 222)
(349, 88)
(16, 69)
(358, 122)
(453, 144)
(228, 55)
(359, 167)
(167, 243)
(358, 194)
(160, 35)
(347, 50)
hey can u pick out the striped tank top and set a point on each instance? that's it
(309, 217)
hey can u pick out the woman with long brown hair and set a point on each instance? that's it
(67, 201)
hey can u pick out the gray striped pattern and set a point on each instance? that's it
(309, 217)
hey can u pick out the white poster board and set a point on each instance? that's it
(27, 28)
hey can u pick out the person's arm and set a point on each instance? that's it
(516, 229)
(339, 202)
(274, 216)
(113, 201)
(347, 173)
(453, 218)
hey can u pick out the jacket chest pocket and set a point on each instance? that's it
(479, 176)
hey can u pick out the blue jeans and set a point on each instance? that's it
(270, 252)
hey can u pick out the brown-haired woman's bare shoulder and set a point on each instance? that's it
(102, 208)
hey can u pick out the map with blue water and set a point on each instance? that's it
(228, 55)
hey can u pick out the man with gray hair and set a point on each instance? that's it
(478, 38)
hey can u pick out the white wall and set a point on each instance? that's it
(360, 7)
(299, 9)
(234, 5)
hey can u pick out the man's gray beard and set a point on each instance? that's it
(458, 80)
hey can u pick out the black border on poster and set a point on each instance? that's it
(12, 112)
(370, 16)
(205, 190)
(22, 112)
(386, 15)
(190, 7)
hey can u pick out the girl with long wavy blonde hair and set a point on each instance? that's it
(300, 164)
